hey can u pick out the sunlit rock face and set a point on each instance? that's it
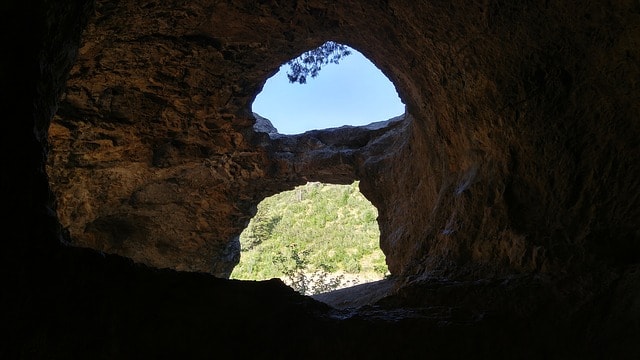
(517, 152)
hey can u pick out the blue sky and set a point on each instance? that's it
(353, 92)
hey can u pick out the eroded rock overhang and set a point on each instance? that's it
(138, 227)
(335, 155)
(509, 164)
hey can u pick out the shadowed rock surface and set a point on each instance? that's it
(508, 194)
(358, 295)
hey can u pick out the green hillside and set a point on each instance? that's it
(330, 228)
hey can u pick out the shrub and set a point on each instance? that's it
(301, 277)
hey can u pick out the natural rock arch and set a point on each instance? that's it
(159, 142)
(518, 169)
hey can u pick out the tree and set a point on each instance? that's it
(260, 228)
(311, 62)
(302, 277)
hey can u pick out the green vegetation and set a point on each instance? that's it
(304, 280)
(316, 234)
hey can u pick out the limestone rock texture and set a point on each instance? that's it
(501, 164)
(508, 193)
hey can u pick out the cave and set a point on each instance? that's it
(507, 193)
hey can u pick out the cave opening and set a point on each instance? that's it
(316, 238)
(348, 90)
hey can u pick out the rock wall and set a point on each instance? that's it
(507, 194)
(504, 165)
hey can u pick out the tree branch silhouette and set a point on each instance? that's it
(312, 61)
